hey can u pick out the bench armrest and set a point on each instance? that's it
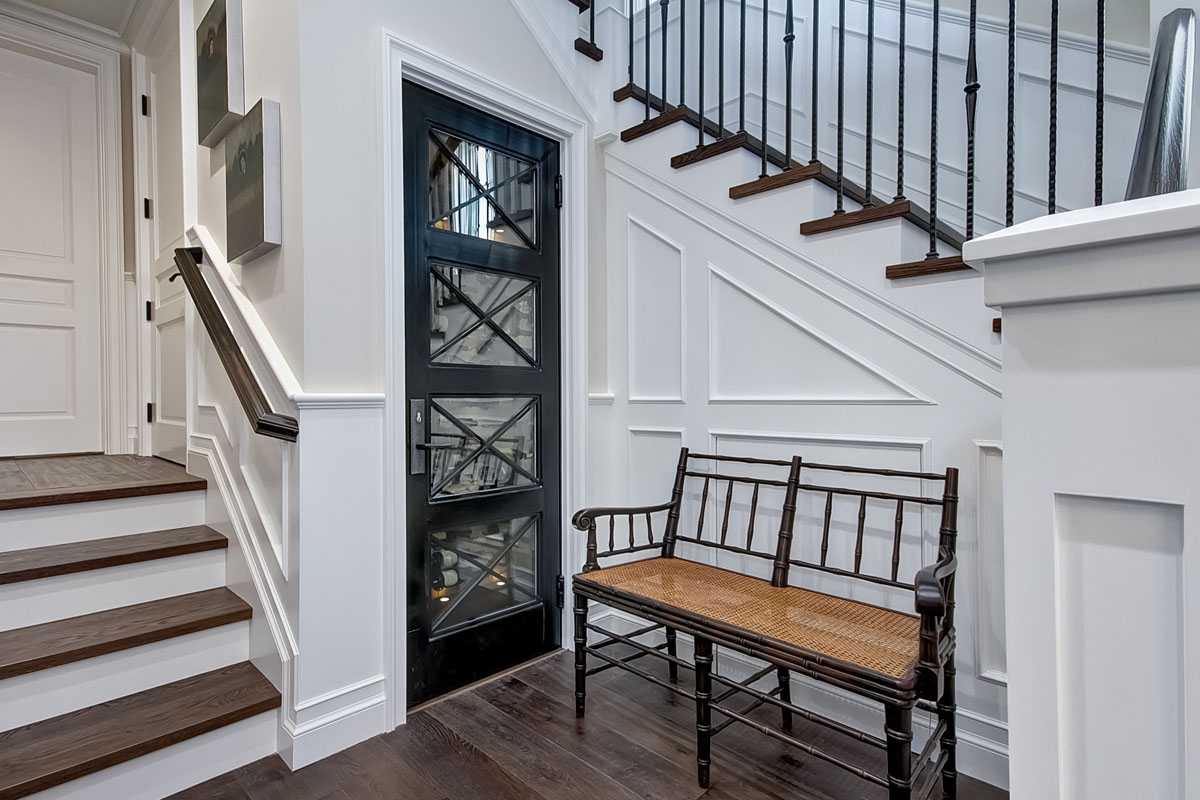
(585, 520)
(931, 587)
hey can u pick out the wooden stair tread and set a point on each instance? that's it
(797, 174)
(926, 266)
(698, 154)
(894, 210)
(52, 644)
(668, 117)
(59, 480)
(588, 49)
(55, 751)
(65, 559)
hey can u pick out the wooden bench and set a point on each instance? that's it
(902, 661)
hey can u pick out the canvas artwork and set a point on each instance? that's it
(253, 196)
(220, 88)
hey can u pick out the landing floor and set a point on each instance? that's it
(53, 480)
(516, 738)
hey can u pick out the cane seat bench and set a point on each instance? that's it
(901, 660)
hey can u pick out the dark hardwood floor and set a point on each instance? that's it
(54, 480)
(516, 738)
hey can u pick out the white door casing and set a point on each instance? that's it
(162, 135)
(54, 256)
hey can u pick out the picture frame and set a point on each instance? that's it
(220, 71)
(253, 190)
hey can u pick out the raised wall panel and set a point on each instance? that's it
(653, 455)
(34, 159)
(761, 353)
(991, 655)
(45, 351)
(655, 307)
(1119, 577)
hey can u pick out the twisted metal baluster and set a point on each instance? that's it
(933, 137)
(815, 99)
(663, 6)
(789, 44)
(900, 101)
(841, 110)
(765, 20)
(971, 89)
(870, 127)
(1101, 13)
(1010, 179)
(1052, 187)
(700, 67)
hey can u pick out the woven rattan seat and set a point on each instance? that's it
(872, 638)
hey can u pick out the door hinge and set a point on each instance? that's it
(146, 207)
(150, 412)
(558, 191)
(149, 311)
(145, 106)
(560, 591)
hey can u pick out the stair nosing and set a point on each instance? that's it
(85, 563)
(169, 732)
(57, 654)
(63, 497)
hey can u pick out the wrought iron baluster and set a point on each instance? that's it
(700, 81)
(933, 131)
(682, 52)
(1010, 179)
(789, 45)
(870, 125)
(972, 90)
(901, 56)
(742, 75)
(815, 90)
(766, 18)
(631, 16)
(721, 69)
(646, 18)
(663, 7)
(592, 20)
(1101, 24)
(841, 110)
(1052, 184)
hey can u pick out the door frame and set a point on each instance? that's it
(44, 36)
(405, 60)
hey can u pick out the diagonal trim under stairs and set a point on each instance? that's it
(52, 752)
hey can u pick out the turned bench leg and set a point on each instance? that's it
(898, 728)
(581, 610)
(785, 694)
(672, 667)
(947, 710)
(704, 660)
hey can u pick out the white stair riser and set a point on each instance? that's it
(78, 522)
(47, 693)
(175, 768)
(48, 599)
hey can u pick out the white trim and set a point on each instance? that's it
(53, 21)
(105, 63)
(601, 399)
(406, 60)
(563, 60)
(680, 398)
(984, 657)
(320, 400)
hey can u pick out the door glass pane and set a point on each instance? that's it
(480, 192)
(482, 318)
(481, 569)
(490, 444)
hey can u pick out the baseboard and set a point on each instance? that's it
(982, 749)
(301, 744)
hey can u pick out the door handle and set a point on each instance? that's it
(432, 446)
(417, 446)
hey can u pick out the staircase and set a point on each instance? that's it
(124, 659)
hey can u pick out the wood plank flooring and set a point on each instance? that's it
(54, 480)
(516, 738)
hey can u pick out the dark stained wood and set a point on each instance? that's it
(264, 419)
(997, 325)
(927, 266)
(34, 482)
(64, 559)
(588, 49)
(864, 216)
(531, 741)
(658, 122)
(52, 644)
(49, 753)
(583, 5)
(788, 177)
(698, 154)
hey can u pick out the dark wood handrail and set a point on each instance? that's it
(264, 420)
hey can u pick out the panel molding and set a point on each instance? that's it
(632, 324)
(991, 663)
(907, 395)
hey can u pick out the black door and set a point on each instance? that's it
(482, 329)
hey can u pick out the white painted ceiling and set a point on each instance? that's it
(108, 14)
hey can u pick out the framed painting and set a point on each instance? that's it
(220, 84)
(253, 195)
